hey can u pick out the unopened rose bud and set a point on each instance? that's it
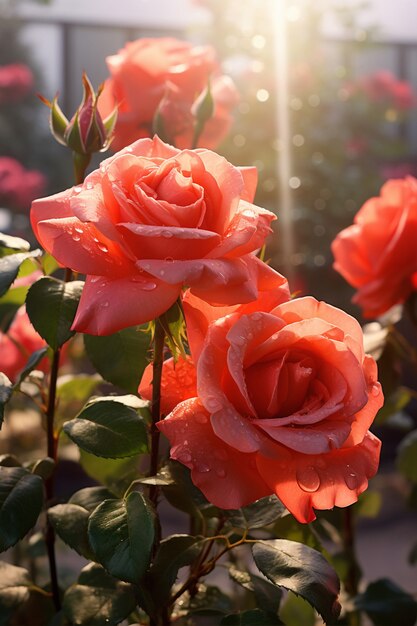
(87, 132)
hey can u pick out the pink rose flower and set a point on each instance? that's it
(16, 81)
(148, 73)
(377, 254)
(284, 402)
(18, 344)
(179, 380)
(19, 186)
(151, 220)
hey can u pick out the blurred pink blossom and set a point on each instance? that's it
(16, 81)
(19, 186)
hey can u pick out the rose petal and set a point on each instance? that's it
(320, 481)
(108, 305)
(57, 205)
(307, 308)
(82, 248)
(154, 242)
(227, 423)
(227, 478)
(178, 383)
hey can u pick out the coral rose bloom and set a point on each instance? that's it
(146, 71)
(378, 255)
(18, 344)
(284, 402)
(151, 220)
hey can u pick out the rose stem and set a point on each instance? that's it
(52, 439)
(80, 163)
(351, 582)
(52, 446)
(158, 357)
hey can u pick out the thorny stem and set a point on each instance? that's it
(158, 357)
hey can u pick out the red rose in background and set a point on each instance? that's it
(18, 344)
(151, 220)
(377, 254)
(19, 186)
(16, 81)
(384, 87)
(148, 73)
(284, 402)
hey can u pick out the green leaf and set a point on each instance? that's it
(116, 474)
(98, 599)
(8, 460)
(9, 305)
(72, 392)
(173, 324)
(108, 429)
(14, 590)
(407, 456)
(14, 243)
(44, 467)
(267, 595)
(296, 611)
(303, 571)
(387, 604)
(120, 358)
(21, 499)
(70, 521)
(122, 533)
(256, 515)
(181, 492)
(255, 617)
(51, 305)
(34, 359)
(287, 527)
(10, 265)
(140, 405)
(6, 391)
(173, 553)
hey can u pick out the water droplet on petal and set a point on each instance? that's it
(78, 230)
(184, 456)
(201, 467)
(308, 478)
(76, 237)
(77, 189)
(94, 279)
(375, 390)
(239, 341)
(162, 272)
(167, 234)
(102, 247)
(221, 472)
(352, 480)
(332, 443)
(89, 185)
(169, 259)
(148, 286)
(104, 304)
